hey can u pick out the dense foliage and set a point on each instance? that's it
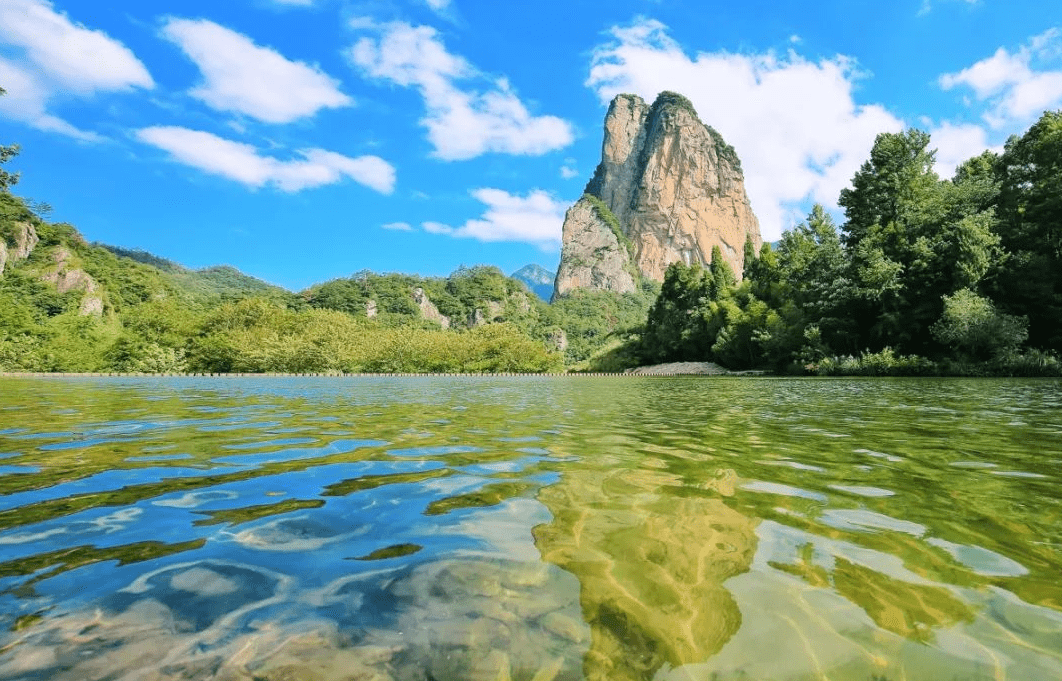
(926, 276)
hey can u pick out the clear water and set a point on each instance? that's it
(530, 529)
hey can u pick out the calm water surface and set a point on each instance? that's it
(530, 529)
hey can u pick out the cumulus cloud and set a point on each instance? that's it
(437, 228)
(243, 77)
(1014, 87)
(534, 219)
(795, 123)
(958, 142)
(568, 172)
(398, 226)
(462, 123)
(246, 165)
(59, 59)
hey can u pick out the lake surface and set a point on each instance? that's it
(530, 529)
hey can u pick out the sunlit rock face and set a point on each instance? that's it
(594, 257)
(651, 567)
(675, 187)
(67, 278)
(428, 309)
(26, 240)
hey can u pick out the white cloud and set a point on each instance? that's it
(568, 172)
(534, 219)
(438, 5)
(59, 58)
(956, 143)
(246, 165)
(398, 226)
(1010, 85)
(795, 123)
(242, 77)
(437, 228)
(461, 123)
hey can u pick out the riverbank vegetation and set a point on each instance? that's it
(926, 276)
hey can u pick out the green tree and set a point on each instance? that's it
(1029, 281)
(673, 329)
(973, 326)
(721, 277)
(896, 177)
(913, 239)
(6, 154)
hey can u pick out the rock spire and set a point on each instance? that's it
(668, 189)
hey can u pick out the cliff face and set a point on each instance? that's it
(592, 255)
(675, 188)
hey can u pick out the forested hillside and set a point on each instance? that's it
(925, 276)
(68, 305)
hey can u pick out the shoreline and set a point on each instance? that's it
(426, 374)
(670, 369)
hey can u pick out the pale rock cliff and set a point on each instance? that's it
(67, 278)
(428, 309)
(592, 256)
(495, 310)
(3, 256)
(675, 188)
(26, 240)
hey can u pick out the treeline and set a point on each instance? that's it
(925, 276)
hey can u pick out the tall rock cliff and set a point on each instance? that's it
(671, 189)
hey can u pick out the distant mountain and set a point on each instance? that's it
(537, 278)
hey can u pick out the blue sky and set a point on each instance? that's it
(303, 140)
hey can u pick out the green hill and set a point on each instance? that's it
(70, 305)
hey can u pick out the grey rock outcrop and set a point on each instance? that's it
(675, 188)
(592, 255)
(3, 256)
(26, 240)
(428, 309)
(67, 278)
(371, 310)
(557, 339)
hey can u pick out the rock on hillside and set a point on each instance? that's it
(675, 189)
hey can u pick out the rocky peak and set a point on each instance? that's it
(674, 187)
